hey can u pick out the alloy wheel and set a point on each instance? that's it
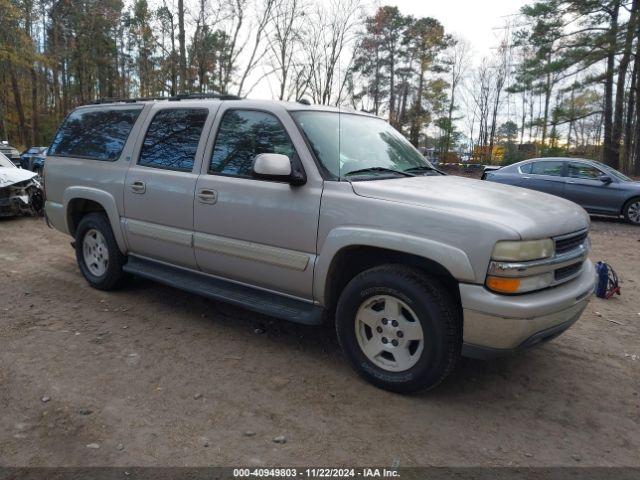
(389, 333)
(633, 212)
(95, 252)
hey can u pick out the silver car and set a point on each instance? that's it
(596, 187)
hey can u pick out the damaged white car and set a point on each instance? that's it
(20, 190)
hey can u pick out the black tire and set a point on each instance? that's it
(112, 277)
(437, 312)
(625, 211)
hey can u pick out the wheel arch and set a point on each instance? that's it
(628, 200)
(339, 261)
(79, 201)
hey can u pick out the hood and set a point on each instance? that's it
(529, 213)
(9, 176)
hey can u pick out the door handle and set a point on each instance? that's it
(138, 187)
(207, 196)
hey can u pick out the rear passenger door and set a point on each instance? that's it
(545, 176)
(160, 183)
(256, 231)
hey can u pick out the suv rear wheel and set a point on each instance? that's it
(399, 329)
(97, 252)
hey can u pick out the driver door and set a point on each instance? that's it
(583, 186)
(255, 231)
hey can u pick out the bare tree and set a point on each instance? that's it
(183, 48)
(457, 59)
(500, 70)
(284, 40)
(257, 50)
(481, 91)
(327, 35)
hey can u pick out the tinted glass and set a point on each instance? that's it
(583, 170)
(547, 168)
(172, 139)
(345, 143)
(95, 134)
(242, 135)
(526, 168)
(613, 172)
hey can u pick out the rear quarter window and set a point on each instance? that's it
(526, 168)
(96, 134)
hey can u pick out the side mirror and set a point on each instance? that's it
(605, 179)
(275, 166)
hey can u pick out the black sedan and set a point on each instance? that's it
(598, 188)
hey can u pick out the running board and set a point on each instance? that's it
(253, 299)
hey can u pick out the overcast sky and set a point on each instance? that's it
(477, 21)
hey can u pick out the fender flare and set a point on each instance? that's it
(108, 203)
(453, 259)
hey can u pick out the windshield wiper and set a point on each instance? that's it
(378, 169)
(425, 169)
(421, 168)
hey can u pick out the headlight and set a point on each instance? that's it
(521, 251)
(505, 277)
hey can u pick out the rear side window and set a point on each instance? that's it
(242, 135)
(547, 168)
(172, 139)
(94, 134)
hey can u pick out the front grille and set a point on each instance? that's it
(566, 272)
(568, 243)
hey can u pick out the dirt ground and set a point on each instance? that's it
(153, 376)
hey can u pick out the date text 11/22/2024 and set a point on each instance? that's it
(315, 473)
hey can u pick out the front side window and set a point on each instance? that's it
(358, 147)
(172, 139)
(526, 168)
(583, 170)
(613, 172)
(244, 134)
(553, 169)
(97, 134)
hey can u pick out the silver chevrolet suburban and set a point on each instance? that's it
(310, 214)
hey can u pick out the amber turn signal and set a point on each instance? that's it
(503, 284)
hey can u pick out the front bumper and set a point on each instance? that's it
(14, 204)
(495, 325)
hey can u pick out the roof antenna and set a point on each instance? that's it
(303, 101)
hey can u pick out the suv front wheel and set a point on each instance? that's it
(97, 252)
(399, 328)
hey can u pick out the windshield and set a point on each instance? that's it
(5, 162)
(351, 146)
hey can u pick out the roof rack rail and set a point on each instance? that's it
(174, 98)
(125, 100)
(203, 96)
